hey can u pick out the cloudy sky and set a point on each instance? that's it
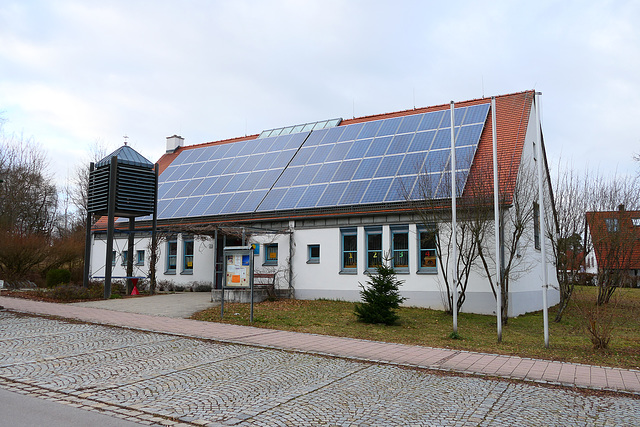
(77, 73)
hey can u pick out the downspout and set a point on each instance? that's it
(292, 225)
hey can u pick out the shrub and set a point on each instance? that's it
(598, 321)
(164, 285)
(381, 298)
(57, 276)
(66, 293)
(201, 286)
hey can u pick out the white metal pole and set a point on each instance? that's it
(541, 216)
(496, 218)
(454, 239)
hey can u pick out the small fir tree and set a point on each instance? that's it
(380, 298)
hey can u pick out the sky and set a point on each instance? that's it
(75, 75)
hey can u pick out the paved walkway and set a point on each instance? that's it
(541, 371)
(181, 305)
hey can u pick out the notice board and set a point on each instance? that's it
(238, 271)
(238, 267)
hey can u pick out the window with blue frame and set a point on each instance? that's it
(313, 253)
(349, 250)
(187, 255)
(271, 254)
(113, 258)
(428, 255)
(172, 256)
(140, 258)
(400, 248)
(125, 254)
(374, 247)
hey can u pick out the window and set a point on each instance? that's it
(140, 258)
(271, 254)
(349, 239)
(172, 256)
(427, 245)
(125, 254)
(113, 258)
(374, 247)
(612, 225)
(536, 225)
(400, 247)
(187, 255)
(313, 252)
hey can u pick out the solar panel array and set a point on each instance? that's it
(305, 127)
(363, 163)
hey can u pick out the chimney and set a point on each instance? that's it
(174, 142)
(621, 208)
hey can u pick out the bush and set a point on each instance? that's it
(200, 286)
(65, 293)
(381, 298)
(164, 285)
(598, 321)
(58, 276)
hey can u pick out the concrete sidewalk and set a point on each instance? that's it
(511, 367)
(180, 305)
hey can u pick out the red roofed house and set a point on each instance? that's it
(615, 237)
(323, 202)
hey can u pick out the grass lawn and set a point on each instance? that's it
(522, 336)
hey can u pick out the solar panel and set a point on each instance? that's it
(370, 129)
(226, 178)
(372, 162)
(291, 197)
(304, 127)
(332, 194)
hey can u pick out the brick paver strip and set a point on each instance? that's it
(585, 376)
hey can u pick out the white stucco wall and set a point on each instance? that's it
(202, 259)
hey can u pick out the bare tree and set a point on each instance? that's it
(616, 239)
(79, 188)
(567, 229)
(433, 192)
(517, 209)
(576, 194)
(28, 206)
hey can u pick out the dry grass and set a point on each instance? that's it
(522, 336)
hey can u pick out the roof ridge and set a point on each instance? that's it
(371, 117)
(420, 110)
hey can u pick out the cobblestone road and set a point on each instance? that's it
(159, 379)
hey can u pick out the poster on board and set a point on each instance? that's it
(238, 271)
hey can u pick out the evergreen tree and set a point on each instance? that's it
(380, 298)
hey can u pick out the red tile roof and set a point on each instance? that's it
(512, 116)
(617, 249)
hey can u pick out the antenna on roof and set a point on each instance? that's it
(125, 139)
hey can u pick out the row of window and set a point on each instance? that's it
(399, 253)
(138, 260)
(187, 256)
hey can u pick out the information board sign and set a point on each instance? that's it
(238, 272)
